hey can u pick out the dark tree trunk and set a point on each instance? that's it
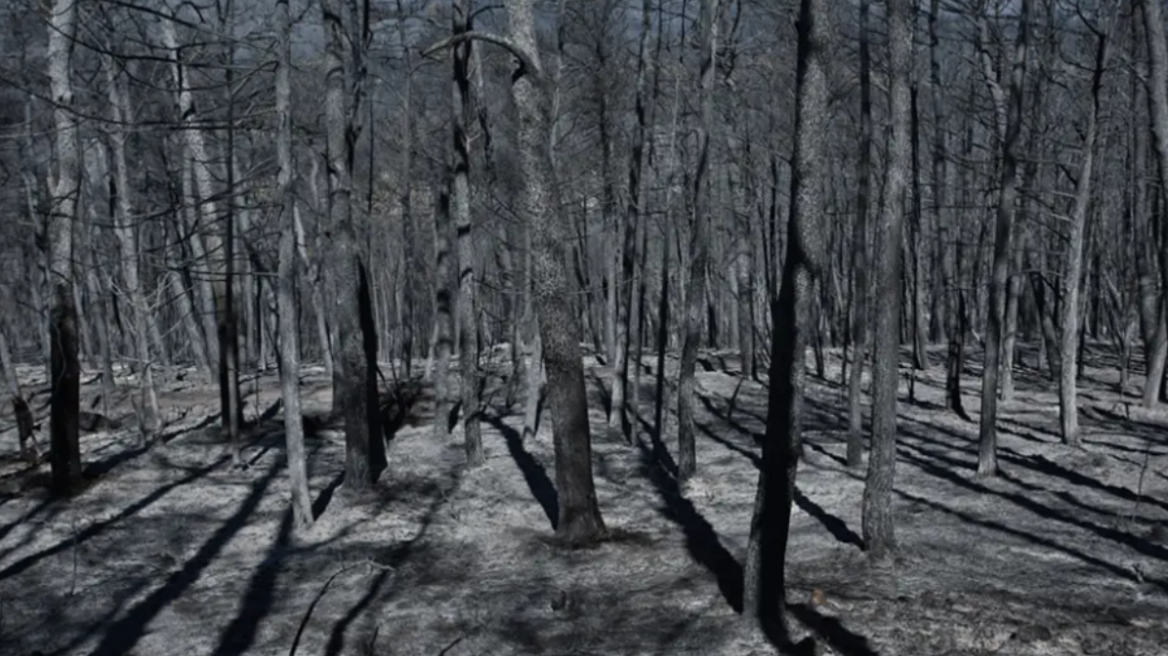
(695, 288)
(764, 576)
(355, 380)
(64, 367)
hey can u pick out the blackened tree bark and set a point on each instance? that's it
(764, 576)
(695, 287)
(1008, 109)
(355, 381)
(410, 283)
(288, 279)
(919, 326)
(65, 457)
(579, 521)
(468, 349)
(860, 282)
(877, 524)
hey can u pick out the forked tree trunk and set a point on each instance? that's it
(764, 577)
(1009, 121)
(355, 383)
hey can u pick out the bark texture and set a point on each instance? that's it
(877, 525)
(579, 520)
(764, 576)
(355, 382)
(468, 347)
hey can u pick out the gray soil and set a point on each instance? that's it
(169, 551)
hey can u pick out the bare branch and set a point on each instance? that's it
(528, 64)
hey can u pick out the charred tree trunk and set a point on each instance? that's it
(65, 456)
(355, 382)
(578, 520)
(764, 575)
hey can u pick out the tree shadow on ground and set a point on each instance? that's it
(831, 631)
(97, 527)
(40, 507)
(121, 636)
(1037, 463)
(534, 473)
(238, 637)
(834, 525)
(205, 422)
(927, 464)
(326, 495)
(1122, 572)
(387, 561)
(701, 540)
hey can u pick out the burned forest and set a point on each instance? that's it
(564, 327)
